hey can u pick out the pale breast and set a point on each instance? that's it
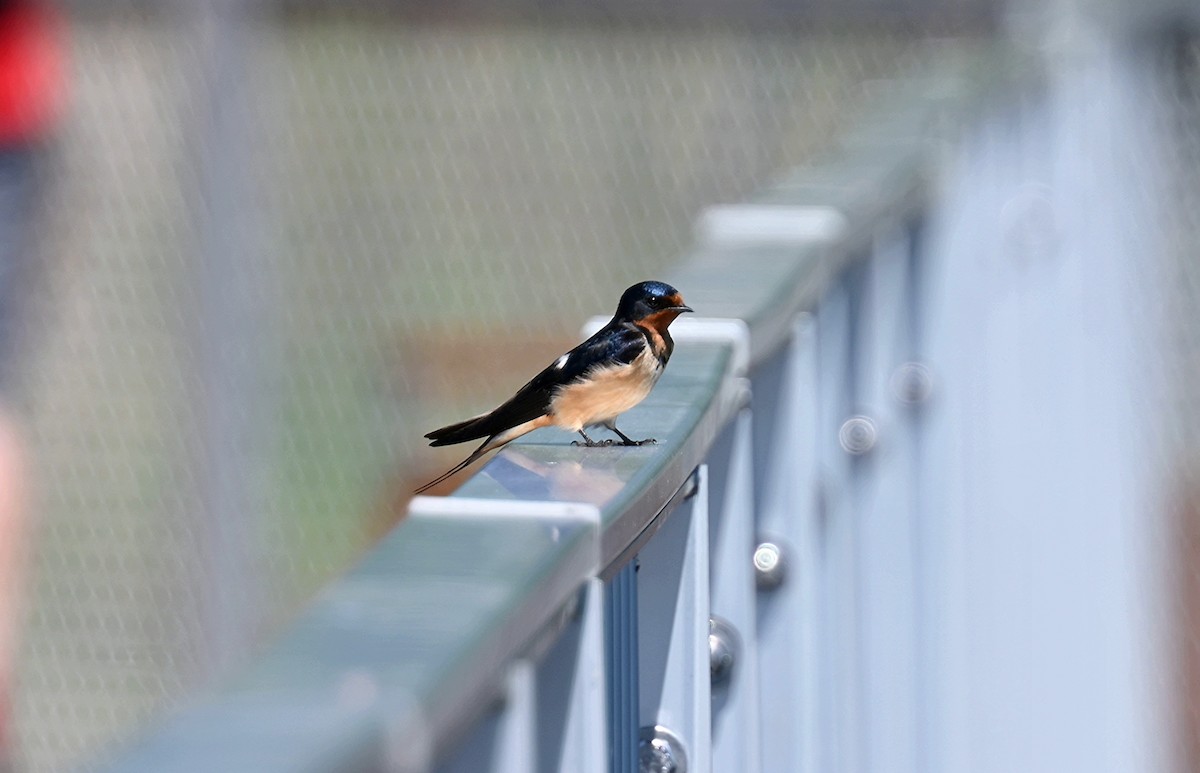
(606, 393)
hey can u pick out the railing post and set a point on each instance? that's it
(673, 612)
(839, 686)
(883, 494)
(733, 642)
(621, 656)
(572, 728)
(516, 751)
(788, 532)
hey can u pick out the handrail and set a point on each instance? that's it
(878, 173)
(395, 660)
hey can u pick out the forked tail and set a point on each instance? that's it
(494, 441)
(461, 432)
(478, 452)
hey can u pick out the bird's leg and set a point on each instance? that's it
(587, 441)
(628, 441)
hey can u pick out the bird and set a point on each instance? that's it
(589, 386)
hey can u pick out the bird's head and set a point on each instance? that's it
(651, 303)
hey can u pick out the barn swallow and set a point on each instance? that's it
(589, 386)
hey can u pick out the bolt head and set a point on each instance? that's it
(912, 383)
(769, 566)
(660, 751)
(858, 435)
(723, 645)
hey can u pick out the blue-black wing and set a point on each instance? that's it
(611, 345)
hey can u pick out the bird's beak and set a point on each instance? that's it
(682, 309)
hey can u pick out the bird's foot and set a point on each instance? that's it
(647, 442)
(593, 443)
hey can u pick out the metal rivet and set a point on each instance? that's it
(660, 751)
(723, 647)
(769, 566)
(912, 383)
(858, 435)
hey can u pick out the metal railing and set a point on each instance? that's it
(775, 584)
(562, 606)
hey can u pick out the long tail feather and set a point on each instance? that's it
(494, 441)
(478, 452)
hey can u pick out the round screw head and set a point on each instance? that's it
(858, 435)
(660, 751)
(723, 646)
(769, 565)
(912, 383)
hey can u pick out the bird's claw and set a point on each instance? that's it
(647, 442)
(593, 443)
